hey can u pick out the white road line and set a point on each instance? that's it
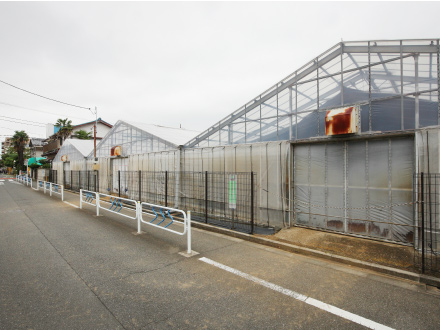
(313, 302)
(11, 180)
(2, 180)
(71, 204)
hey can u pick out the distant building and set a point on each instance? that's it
(54, 141)
(36, 147)
(102, 128)
(6, 144)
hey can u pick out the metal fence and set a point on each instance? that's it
(76, 180)
(218, 198)
(427, 227)
(48, 175)
(53, 176)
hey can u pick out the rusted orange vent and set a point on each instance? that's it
(341, 121)
(116, 151)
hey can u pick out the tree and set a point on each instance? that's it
(19, 141)
(82, 135)
(65, 128)
(9, 158)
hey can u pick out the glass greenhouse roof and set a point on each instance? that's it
(138, 138)
(394, 83)
(75, 149)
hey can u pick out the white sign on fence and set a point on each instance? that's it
(232, 191)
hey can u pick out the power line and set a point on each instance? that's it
(44, 97)
(18, 122)
(20, 119)
(33, 133)
(31, 109)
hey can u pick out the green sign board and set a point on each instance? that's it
(232, 191)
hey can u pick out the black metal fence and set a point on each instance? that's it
(427, 242)
(49, 175)
(76, 180)
(53, 176)
(222, 199)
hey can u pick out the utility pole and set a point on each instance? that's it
(95, 128)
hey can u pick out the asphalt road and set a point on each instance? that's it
(66, 268)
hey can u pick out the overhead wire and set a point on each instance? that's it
(24, 122)
(19, 122)
(12, 129)
(31, 109)
(44, 97)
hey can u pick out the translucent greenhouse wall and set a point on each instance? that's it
(72, 153)
(268, 160)
(74, 165)
(75, 160)
(395, 83)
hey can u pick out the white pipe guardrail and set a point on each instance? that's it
(156, 222)
(116, 205)
(90, 197)
(95, 199)
(23, 179)
(53, 188)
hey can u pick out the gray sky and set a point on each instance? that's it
(173, 63)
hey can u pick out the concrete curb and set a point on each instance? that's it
(424, 279)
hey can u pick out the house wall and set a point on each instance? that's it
(101, 131)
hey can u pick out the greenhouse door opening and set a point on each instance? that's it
(356, 187)
(66, 172)
(119, 180)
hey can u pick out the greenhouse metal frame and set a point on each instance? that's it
(364, 73)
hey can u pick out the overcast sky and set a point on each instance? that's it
(173, 63)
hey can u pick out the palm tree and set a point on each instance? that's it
(65, 128)
(82, 135)
(19, 140)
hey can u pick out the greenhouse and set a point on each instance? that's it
(119, 151)
(336, 145)
(72, 156)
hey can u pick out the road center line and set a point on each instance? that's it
(71, 204)
(313, 302)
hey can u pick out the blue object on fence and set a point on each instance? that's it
(155, 214)
(56, 188)
(47, 185)
(117, 206)
(110, 208)
(172, 220)
(160, 210)
(41, 184)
